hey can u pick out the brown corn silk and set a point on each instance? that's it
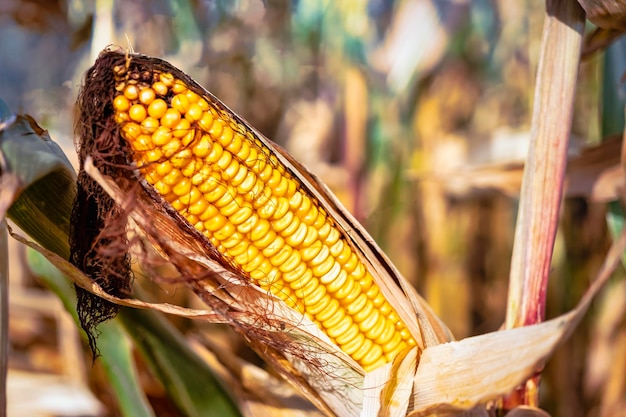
(245, 202)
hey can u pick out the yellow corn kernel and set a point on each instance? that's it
(146, 96)
(181, 103)
(137, 113)
(162, 135)
(170, 118)
(131, 92)
(149, 125)
(160, 88)
(181, 129)
(121, 104)
(157, 108)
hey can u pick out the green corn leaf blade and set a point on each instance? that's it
(613, 109)
(186, 377)
(613, 97)
(46, 182)
(114, 346)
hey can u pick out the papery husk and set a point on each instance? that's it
(457, 376)
(607, 14)
(389, 388)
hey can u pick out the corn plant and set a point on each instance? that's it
(171, 177)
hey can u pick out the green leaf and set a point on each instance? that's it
(115, 348)
(613, 100)
(613, 105)
(46, 182)
(186, 377)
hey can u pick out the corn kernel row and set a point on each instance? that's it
(230, 187)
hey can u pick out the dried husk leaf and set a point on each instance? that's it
(396, 392)
(608, 14)
(489, 366)
(80, 279)
(599, 40)
(594, 174)
(457, 376)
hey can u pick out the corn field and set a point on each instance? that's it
(307, 208)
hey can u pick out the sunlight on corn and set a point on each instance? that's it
(230, 187)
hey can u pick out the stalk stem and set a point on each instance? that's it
(4, 315)
(542, 184)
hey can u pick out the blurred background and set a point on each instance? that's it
(415, 112)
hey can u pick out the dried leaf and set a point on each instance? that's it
(9, 186)
(457, 376)
(599, 40)
(594, 173)
(79, 278)
(608, 14)
(396, 392)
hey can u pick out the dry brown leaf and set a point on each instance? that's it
(396, 393)
(80, 279)
(593, 174)
(596, 173)
(9, 187)
(457, 376)
(608, 14)
(599, 40)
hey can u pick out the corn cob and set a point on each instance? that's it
(230, 186)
